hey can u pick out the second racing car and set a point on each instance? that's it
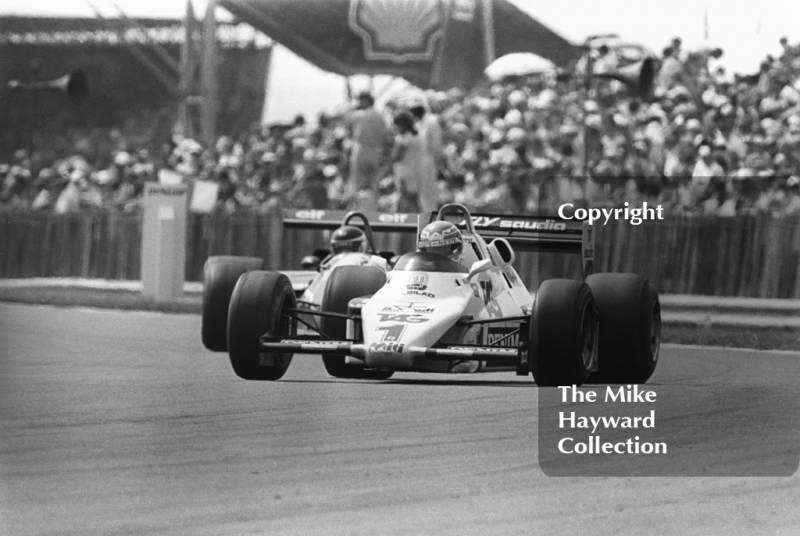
(351, 244)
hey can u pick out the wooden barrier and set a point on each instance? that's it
(91, 245)
(751, 256)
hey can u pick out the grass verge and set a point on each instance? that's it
(100, 298)
(723, 337)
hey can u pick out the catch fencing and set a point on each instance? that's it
(749, 255)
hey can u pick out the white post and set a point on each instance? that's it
(164, 240)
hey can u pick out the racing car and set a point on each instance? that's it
(457, 305)
(350, 246)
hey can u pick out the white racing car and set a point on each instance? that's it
(351, 244)
(457, 306)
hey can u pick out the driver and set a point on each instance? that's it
(444, 238)
(348, 238)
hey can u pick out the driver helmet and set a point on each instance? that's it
(348, 239)
(442, 237)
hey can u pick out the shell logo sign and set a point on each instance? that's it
(399, 30)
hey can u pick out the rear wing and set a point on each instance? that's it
(332, 219)
(550, 234)
(524, 233)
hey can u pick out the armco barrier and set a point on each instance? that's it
(749, 256)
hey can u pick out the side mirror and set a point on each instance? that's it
(478, 267)
(501, 253)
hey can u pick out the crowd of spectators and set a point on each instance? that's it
(705, 141)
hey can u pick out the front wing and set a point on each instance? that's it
(269, 346)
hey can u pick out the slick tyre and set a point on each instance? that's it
(630, 334)
(344, 284)
(563, 333)
(259, 305)
(220, 275)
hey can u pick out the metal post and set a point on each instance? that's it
(209, 79)
(587, 87)
(36, 64)
(488, 32)
(188, 65)
(265, 107)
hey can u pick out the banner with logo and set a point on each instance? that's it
(432, 43)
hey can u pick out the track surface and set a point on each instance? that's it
(121, 423)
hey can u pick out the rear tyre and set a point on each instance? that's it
(220, 275)
(344, 284)
(259, 305)
(630, 339)
(563, 333)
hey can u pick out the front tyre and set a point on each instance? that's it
(630, 338)
(220, 274)
(563, 333)
(260, 304)
(344, 284)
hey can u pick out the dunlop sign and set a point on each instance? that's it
(163, 240)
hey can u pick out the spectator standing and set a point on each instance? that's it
(606, 61)
(705, 170)
(370, 136)
(793, 202)
(69, 199)
(430, 133)
(677, 48)
(670, 73)
(409, 165)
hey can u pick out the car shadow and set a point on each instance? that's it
(429, 382)
(464, 383)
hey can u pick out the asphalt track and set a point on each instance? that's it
(121, 423)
